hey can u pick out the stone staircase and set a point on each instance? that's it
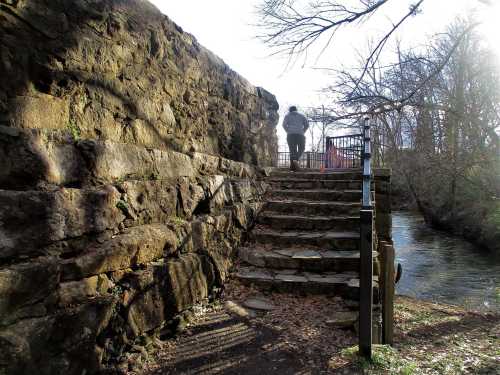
(307, 236)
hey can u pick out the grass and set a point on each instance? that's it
(122, 206)
(74, 129)
(494, 215)
(385, 360)
(430, 339)
(176, 221)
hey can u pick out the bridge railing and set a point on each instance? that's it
(342, 152)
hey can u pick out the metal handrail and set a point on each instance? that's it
(346, 136)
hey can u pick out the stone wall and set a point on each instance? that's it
(120, 70)
(129, 158)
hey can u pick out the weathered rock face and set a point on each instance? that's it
(122, 71)
(129, 158)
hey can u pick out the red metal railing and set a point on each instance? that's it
(344, 151)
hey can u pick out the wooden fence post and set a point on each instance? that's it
(387, 286)
(366, 284)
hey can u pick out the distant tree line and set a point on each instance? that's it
(443, 143)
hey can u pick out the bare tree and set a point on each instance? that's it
(446, 145)
(437, 110)
(292, 27)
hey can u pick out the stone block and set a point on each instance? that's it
(73, 292)
(46, 217)
(192, 197)
(236, 169)
(221, 197)
(39, 111)
(247, 190)
(28, 158)
(148, 305)
(150, 201)
(279, 261)
(136, 246)
(68, 338)
(191, 278)
(222, 262)
(25, 287)
(111, 161)
(171, 164)
(205, 164)
(243, 215)
(213, 183)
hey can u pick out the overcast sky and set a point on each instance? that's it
(226, 28)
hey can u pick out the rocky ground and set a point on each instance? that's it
(286, 334)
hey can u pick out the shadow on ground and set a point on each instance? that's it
(227, 344)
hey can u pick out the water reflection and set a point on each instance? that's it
(440, 267)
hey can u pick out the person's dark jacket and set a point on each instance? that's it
(295, 123)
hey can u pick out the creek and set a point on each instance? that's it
(443, 268)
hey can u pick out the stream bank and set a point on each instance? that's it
(440, 267)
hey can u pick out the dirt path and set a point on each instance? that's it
(297, 337)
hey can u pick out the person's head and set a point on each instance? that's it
(292, 109)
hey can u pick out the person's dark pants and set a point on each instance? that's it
(296, 145)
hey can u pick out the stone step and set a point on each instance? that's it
(305, 259)
(319, 195)
(322, 208)
(280, 221)
(313, 175)
(345, 284)
(327, 240)
(302, 184)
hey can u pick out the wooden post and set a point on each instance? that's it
(366, 284)
(387, 285)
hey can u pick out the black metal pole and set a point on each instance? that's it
(366, 252)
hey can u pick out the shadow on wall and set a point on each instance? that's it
(55, 53)
(121, 70)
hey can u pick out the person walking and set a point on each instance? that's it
(295, 125)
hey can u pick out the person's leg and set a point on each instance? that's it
(295, 141)
(301, 145)
(292, 146)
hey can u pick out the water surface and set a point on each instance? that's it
(444, 268)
